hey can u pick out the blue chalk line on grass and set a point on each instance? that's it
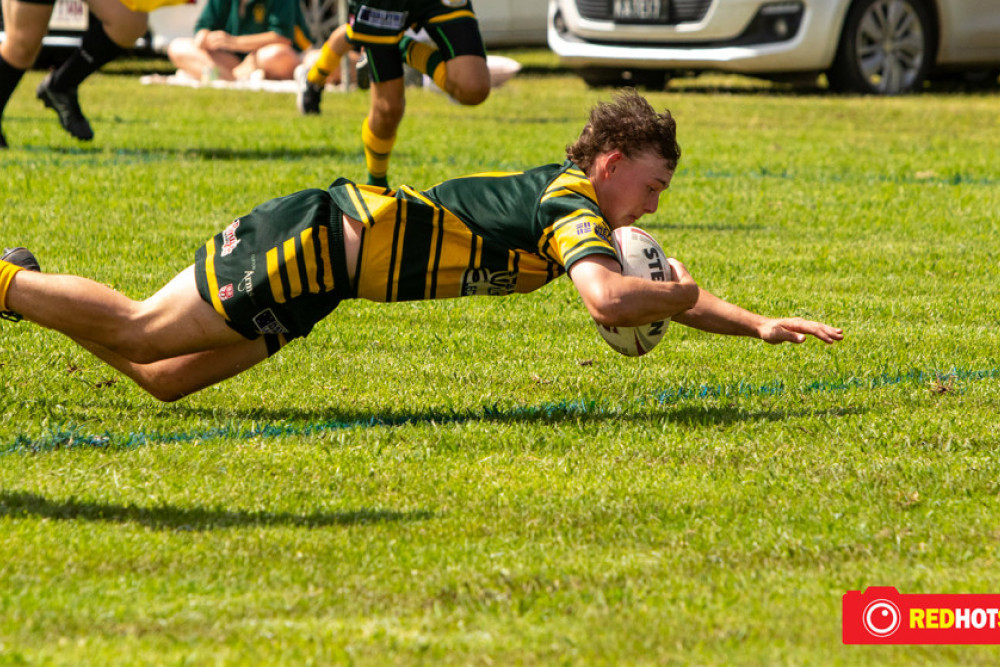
(70, 437)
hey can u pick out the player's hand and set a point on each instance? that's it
(682, 277)
(217, 40)
(796, 330)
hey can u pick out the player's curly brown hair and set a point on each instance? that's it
(631, 125)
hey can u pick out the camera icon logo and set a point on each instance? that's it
(881, 618)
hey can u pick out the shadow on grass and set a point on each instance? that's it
(116, 155)
(575, 411)
(22, 504)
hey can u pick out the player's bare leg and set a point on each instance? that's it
(173, 379)
(171, 344)
(173, 322)
(378, 133)
(25, 25)
(467, 80)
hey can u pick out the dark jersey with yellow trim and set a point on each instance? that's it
(492, 233)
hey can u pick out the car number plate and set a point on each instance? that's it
(69, 15)
(637, 10)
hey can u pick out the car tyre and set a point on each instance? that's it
(886, 48)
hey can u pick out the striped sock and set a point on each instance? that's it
(325, 65)
(377, 151)
(425, 59)
(7, 271)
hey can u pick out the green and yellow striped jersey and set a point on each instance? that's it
(492, 233)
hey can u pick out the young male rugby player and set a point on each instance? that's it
(272, 274)
(457, 65)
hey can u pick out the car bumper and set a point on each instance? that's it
(714, 43)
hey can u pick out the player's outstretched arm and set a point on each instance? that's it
(715, 315)
(615, 300)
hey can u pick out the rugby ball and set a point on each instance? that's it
(641, 256)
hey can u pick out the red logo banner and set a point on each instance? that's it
(882, 615)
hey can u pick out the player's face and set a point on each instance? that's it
(632, 186)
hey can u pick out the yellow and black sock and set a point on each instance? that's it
(425, 59)
(377, 152)
(325, 65)
(7, 271)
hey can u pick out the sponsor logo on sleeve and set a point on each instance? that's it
(226, 292)
(229, 240)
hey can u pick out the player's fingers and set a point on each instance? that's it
(680, 271)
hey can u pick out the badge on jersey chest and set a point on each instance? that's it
(454, 4)
(381, 18)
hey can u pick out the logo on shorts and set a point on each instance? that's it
(489, 283)
(381, 18)
(226, 292)
(229, 240)
(246, 285)
(267, 323)
(454, 3)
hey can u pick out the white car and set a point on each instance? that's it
(866, 46)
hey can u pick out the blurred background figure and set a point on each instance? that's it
(235, 38)
(113, 27)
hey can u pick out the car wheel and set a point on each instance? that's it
(885, 48)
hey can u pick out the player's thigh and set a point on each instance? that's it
(178, 321)
(25, 24)
(122, 25)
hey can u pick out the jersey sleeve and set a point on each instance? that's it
(571, 222)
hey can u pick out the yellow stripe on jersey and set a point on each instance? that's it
(324, 253)
(213, 281)
(292, 269)
(451, 16)
(569, 183)
(309, 255)
(274, 276)
(398, 252)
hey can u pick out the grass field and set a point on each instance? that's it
(483, 481)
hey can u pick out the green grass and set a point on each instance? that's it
(483, 481)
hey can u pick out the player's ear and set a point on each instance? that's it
(608, 162)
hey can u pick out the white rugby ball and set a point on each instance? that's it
(641, 256)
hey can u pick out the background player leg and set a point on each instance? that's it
(25, 24)
(105, 39)
(378, 132)
(465, 78)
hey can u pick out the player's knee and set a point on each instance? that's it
(164, 392)
(472, 94)
(388, 112)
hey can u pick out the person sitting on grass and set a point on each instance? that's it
(272, 274)
(235, 38)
